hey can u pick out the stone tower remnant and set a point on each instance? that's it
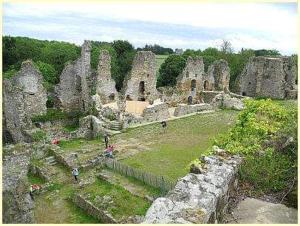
(141, 83)
(269, 77)
(23, 97)
(73, 91)
(106, 86)
(218, 76)
(190, 80)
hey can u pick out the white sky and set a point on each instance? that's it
(248, 25)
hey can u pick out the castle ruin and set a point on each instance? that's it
(72, 91)
(23, 97)
(106, 86)
(141, 83)
(269, 77)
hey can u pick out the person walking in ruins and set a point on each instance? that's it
(106, 140)
(75, 173)
(164, 125)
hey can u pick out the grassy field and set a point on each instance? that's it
(184, 140)
(159, 59)
(124, 204)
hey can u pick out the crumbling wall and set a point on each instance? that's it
(184, 109)
(190, 80)
(268, 77)
(106, 86)
(218, 74)
(141, 82)
(156, 112)
(17, 204)
(198, 198)
(23, 97)
(73, 92)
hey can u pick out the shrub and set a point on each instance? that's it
(261, 134)
(38, 135)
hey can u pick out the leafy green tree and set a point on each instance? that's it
(48, 71)
(170, 70)
(267, 52)
(124, 57)
(58, 53)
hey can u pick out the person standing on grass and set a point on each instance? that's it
(164, 125)
(106, 140)
(75, 173)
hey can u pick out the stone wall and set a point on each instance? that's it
(90, 127)
(17, 204)
(218, 74)
(190, 80)
(198, 198)
(92, 210)
(23, 97)
(141, 82)
(73, 92)
(184, 109)
(105, 84)
(268, 77)
(156, 112)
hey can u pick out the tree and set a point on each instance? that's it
(124, 57)
(226, 47)
(170, 69)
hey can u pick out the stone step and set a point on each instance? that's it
(50, 158)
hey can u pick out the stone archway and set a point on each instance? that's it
(206, 85)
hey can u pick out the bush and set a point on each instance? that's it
(260, 135)
(38, 136)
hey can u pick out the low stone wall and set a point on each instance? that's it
(92, 210)
(208, 96)
(198, 198)
(184, 109)
(156, 112)
(39, 171)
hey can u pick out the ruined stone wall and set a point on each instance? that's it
(106, 86)
(23, 97)
(190, 80)
(184, 109)
(198, 198)
(218, 76)
(267, 77)
(156, 112)
(17, 204)
(141, 83)
(73, 92)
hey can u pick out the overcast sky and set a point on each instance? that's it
(176, 25)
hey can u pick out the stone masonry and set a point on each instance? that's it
(141, 83)
(218, 76)
(72, 91)
(198, 198)
(17, 204)
(190, 80)
(106, 86)
(268, 77)
(23, 97)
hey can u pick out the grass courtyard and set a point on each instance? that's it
(168, 154)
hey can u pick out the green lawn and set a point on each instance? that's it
(184, 140)
(124, 204)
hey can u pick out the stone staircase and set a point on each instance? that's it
(116, 125)
(51, 160)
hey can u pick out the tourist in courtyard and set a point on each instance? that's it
(109, 151)
(164, 125)
(75, 173)
(106, 140)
